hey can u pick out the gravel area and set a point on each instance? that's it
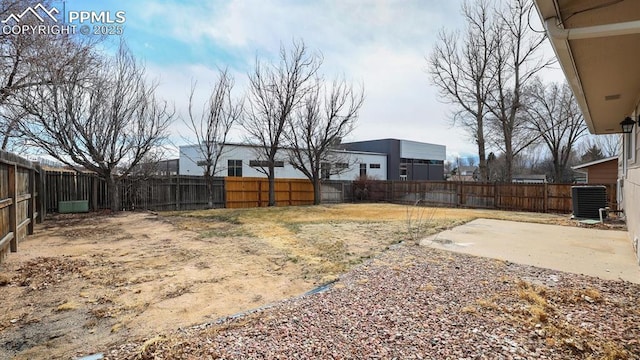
(415, 302)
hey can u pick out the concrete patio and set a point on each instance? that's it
(607, 254)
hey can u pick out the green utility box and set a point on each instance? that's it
(78, 206)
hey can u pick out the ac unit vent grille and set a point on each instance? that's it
(587, 200)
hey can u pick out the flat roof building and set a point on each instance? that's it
(406, 160)
(242, 160)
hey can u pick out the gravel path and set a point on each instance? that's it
(419, 303)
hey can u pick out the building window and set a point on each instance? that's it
(421, 161)
(234, 168)
(403, 172)
(341, 166)
(325, 171)
(363, 169)
(265, 163)
(374, 166)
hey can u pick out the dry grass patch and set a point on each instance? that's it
(67, 306)
(539, 308)
(532, 293)
(489, 304)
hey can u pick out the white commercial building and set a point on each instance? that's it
(242, 161)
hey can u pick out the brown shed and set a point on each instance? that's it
(603, 171)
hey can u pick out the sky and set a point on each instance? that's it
(378, 44)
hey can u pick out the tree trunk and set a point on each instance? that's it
(559, 176)
(209, 181)
(508, 157)
(272, 184)
(508, 168)
(317, 196)
(114, 193)
(482, 156)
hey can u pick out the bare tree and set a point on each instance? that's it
(557, 119)
(609, 145)
(212, 126)
(327, 116)
(275, 92)
(25, 60)
(515, 60)
(459, 66)
(99, 114)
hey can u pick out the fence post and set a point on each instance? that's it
(13, 208)
(460, 193)
(31, 207)
(495, 195)
(290, 193)
(546, 197)
(94, 192)
(225, 196)
(177, 192)
(41, 205)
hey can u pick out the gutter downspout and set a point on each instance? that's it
(589, 32)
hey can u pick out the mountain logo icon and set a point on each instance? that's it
(35, 11)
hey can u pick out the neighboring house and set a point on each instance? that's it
(241, 160)
(529, 179)
(603, 171)
(406, 160)
(596, 47)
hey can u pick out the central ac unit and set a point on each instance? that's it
(588, 200)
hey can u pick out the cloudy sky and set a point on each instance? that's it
(381, 44)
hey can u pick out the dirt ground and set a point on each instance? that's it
(84, 283)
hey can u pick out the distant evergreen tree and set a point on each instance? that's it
(592, 153)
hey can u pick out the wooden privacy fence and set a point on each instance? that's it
(170, 193)
(254, 192)
(190, 193)
(69, 185)
(145, 193)
(336, 191)
(552, 198)
(19, 201)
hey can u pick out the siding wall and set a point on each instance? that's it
(423, 151)
(631, 190)
(604, 173)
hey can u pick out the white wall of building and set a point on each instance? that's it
(190, 155)
(376, 165)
